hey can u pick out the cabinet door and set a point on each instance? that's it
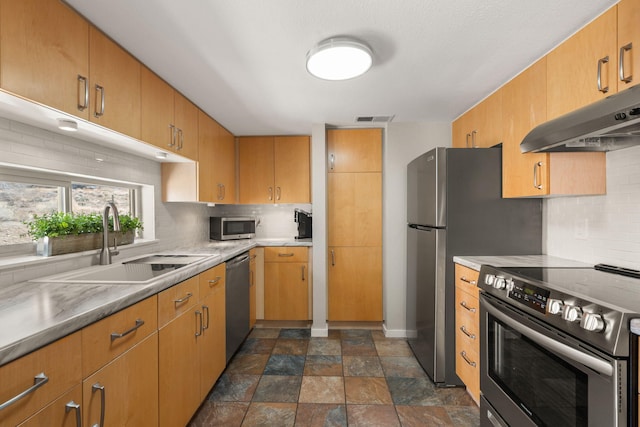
(355, 284)
(178, 361)
(487, 122)
(461, 131)
(57, 414)
(208, 191)
(628, 40)
(253, 271)
(115, 83)
(255, 160)
(224, 164)
(524, 106)
(354, 150)
(572, 67)
(156, 110)
(355, 209)
(45, 54)
(212, 343)
(286, 291)
(292, 169)
(128, 386)
(186, 121)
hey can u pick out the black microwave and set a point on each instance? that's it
(229, 228)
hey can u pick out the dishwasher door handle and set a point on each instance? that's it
(237, 261)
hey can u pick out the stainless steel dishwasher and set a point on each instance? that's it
(237, 302)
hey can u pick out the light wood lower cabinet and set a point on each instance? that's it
(253, 285)
(468, 330)
(286, 283)
(66, 411)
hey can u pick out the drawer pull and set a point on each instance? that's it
(303, 273)
(183, 299)
(466, 307)
(99, 387)
(466, 359)
(38, 381)
(215, 281)
(290, 254)
(115, 335)
(471, 282)
(467, 333)
(74, 406)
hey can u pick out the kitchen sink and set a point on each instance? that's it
(138, 271)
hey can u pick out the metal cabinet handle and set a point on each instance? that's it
(466, 307)
(467, 137)
(471, 282)
(183, 299)
(466, 359)
(536, 167)
(289, 254)
(333, 257)
(251, 278)
(270, 193)
(303, 273)
(332, 161)
(38, 381)
(82, 80)
(115, 335)
(99, 96)
(278, 193)
(599, 74)
(199, 326)
(205, 308)
(180, 140)
(224, 191)
(467, 333)
(473, 139)
(100, 387)
(172, 139)
(71, 406)
(215, 281)
(623, 78)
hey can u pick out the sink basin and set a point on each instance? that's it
(138, 271)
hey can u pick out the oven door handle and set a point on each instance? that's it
(552, 345)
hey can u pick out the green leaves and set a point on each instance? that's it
(64, 224)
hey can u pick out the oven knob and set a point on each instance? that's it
(571, 313)
(509, 285)
(592, 322)
(554, 306)
(499, 283)
(489, 279)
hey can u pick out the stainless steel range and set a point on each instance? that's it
(556, 346)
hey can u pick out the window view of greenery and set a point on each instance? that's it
(20, 201)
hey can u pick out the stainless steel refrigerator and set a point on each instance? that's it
(455, 207)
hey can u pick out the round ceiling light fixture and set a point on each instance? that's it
(339, 58)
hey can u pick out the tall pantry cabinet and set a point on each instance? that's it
(354, 187)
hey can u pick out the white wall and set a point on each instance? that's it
(600, 229)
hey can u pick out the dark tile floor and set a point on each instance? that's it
(282, 377)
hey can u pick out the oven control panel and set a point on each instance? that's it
(524, 293)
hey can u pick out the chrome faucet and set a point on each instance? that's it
(105, 255)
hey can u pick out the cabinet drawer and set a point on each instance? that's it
(59, 361)
(212, 279)
(467, 279)
(468, 369)
(467, 331)
(113, 335)
(467, 305)
(285, 254)
(177, 299)
(56, 415)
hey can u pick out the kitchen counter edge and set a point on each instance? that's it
(476, 262)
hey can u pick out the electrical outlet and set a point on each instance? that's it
(581, 229)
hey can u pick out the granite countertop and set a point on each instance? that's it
(475, 262)
(33, 314)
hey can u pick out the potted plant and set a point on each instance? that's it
(59, 233)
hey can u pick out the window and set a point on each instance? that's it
(25, 193)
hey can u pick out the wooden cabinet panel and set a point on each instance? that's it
(461, 131)
(467, 280)
(253, 282)
(355, 209)
(177, 300)
(130, 388)
(186, 122)
(468, 369)
(156, 110)
(358, 150)
(212, 343)
(292, 169)
(628, 41)
(56, 414)
(572, 66)
(98, 347)
(355, 283)
(224, 166)
(45, 54)
(286, 291)
(178, 361)
(256, 169)
(286, 254)
(208, 280)
(115, 79)
(59, 361)
(481, 126)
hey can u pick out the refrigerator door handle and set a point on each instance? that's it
(422, 227)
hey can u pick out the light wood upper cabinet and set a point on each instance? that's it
(186, 124)
(481, 126)
(223, 165)
(628, 41)
(351, 151)
(573, 67)
(114, 76)
(44, 48)
(274, 169)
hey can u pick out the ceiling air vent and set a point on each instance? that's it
(374, 119)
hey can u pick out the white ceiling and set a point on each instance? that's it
(243, 61)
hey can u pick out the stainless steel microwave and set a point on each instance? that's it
(230, 228)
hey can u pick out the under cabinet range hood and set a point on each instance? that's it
(609, 124)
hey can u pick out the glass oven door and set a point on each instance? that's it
(535, 376)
